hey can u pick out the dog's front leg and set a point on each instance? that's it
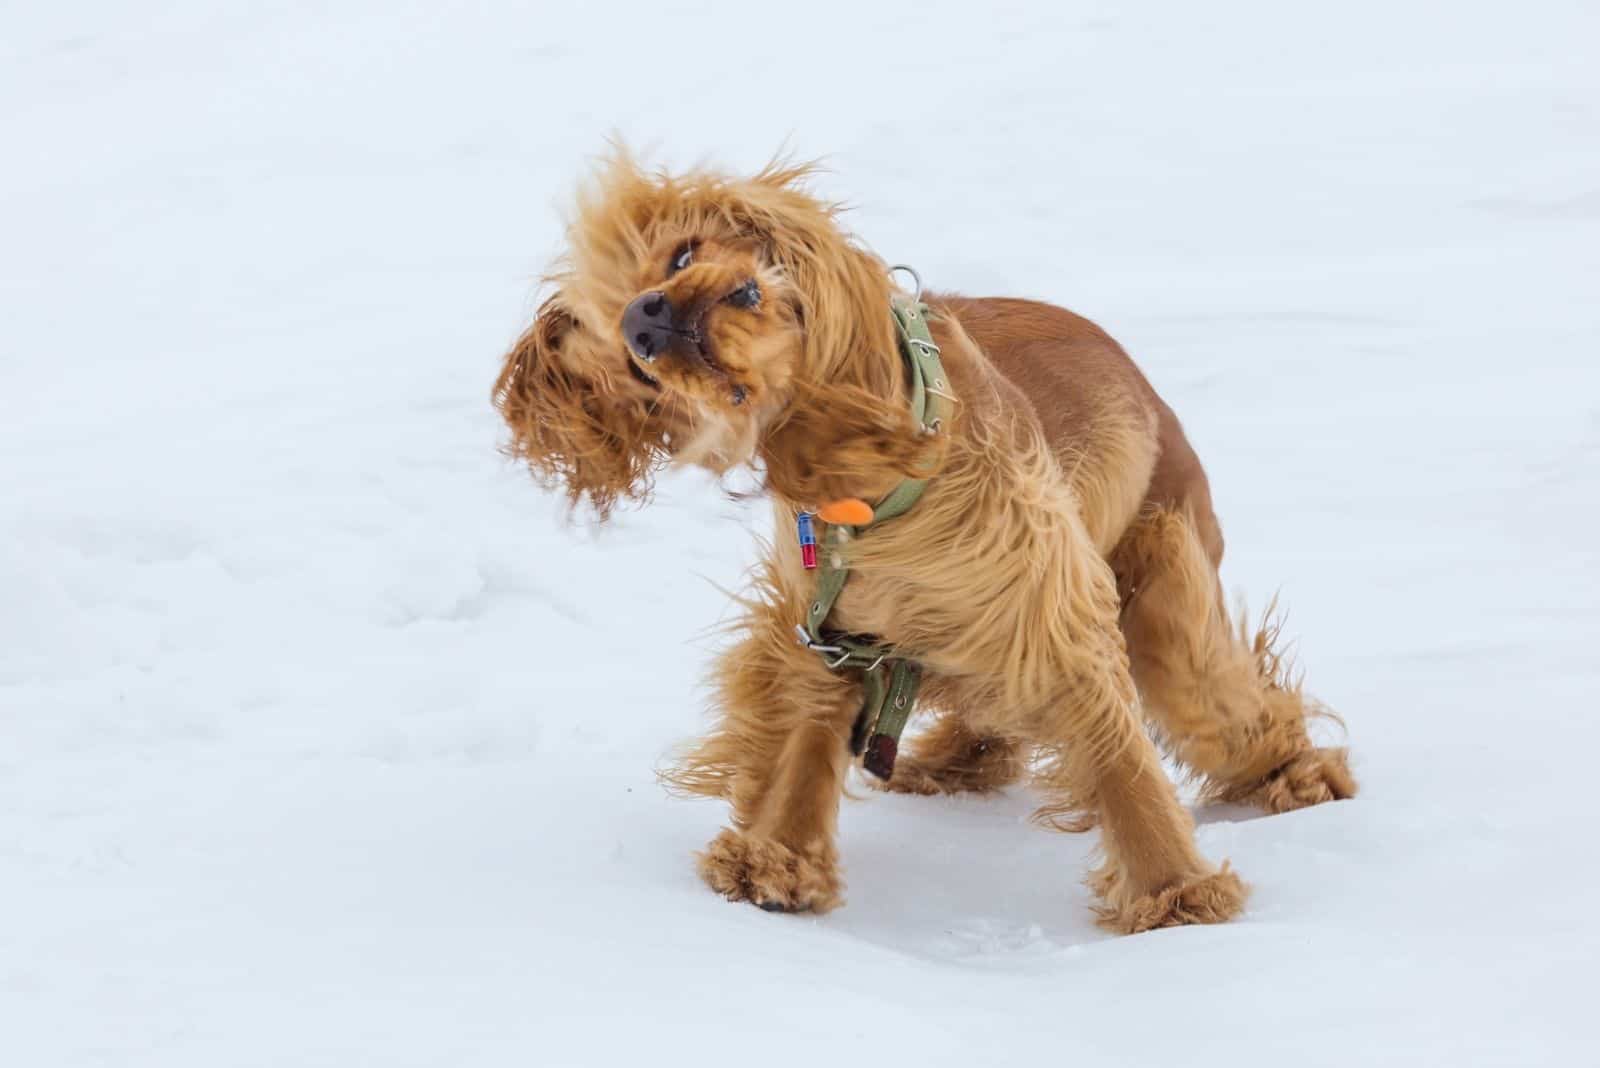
(1051, 655)
(1100, 758)
(782, 856)
(1152, 875)
(779, 755)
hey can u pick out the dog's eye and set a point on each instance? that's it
(680, 259)
(746, 296)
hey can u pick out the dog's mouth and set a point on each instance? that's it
(696, 355)
(639, 375)
(702, 347)
(699, 344)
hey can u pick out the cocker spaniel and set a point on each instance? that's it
(1052, 592)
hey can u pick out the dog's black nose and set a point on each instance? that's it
(647, 325)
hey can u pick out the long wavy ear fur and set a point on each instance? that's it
(845, 441)
(575, 433)
(847, 430)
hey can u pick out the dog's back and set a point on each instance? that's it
(1120, 443)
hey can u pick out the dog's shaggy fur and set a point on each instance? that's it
(1057, 581)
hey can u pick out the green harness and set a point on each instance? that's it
(890, 682)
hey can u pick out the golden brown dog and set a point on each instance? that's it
(1057, 581)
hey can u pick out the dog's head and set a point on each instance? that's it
(712, 321)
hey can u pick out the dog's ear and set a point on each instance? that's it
(840, 289)
(570, 421)
(847, 430)
(842, 441)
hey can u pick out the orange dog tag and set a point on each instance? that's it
(846, 512)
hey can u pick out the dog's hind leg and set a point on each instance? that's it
(1224, 704)
(950, 758)
(779, 756)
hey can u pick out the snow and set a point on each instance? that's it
(324, 740)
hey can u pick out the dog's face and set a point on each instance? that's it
(713, 322)
(708, 321)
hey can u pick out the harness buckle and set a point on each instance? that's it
(820, 647)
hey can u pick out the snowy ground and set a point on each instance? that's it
(323, 741)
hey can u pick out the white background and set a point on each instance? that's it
(324, 740)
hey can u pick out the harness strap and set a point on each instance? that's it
(889, 682)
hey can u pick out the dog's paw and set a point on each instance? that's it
(1309, 778)
(1214, 898)
(770, 875)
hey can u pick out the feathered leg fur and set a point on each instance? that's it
(1224, 701)
(779, 757)
(1038, 657)
(1097, 756)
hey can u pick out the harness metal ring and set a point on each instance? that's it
(912, 271)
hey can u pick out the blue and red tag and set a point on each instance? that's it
(808, 541)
